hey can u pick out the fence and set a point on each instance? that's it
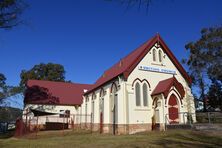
(209, 117)
(6, 126)
(58, 122)
(188, 120)
(182, 118)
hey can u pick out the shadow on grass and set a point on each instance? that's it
(193, 139)
(7, 135)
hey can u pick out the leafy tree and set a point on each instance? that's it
(6, 90)
(10, 16)
(205, 60)
(215, 95)
(3, 88)
(10, 13)
(50, 71)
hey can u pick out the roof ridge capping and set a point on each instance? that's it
(49, 81)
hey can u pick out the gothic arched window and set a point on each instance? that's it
(154, 54)
(145, 95)
(138, 97)
(160, 56)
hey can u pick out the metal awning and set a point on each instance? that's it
(41, 113)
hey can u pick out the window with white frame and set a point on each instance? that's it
(154, 54)
(101, 101)
(86, 113)
(93, 110)
(138, 95)
(145, 94)
(141, 94)
(93, 106)
(160, 56)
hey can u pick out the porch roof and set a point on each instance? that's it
(165, 87)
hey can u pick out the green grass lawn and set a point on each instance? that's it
(171, 138)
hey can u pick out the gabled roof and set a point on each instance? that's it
(165, 86)
(126, 65)
(57, 93)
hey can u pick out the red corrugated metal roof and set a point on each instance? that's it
(126, 65)
(165, 86)
(59, 93)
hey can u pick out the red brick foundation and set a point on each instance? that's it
(126, 129)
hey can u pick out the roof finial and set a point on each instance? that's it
(158, 38)
(120, 63)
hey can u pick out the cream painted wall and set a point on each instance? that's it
(128, 112)
(142, 114)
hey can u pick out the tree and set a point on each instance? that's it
(10, 13)
(3, 88)
(10, 16)
(205, 60)
(215, 95)
(6, 90)
(50, 71)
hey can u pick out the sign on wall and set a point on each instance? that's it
(155, 69)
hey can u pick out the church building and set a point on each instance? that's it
(146, 90)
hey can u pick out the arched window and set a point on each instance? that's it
(160, 56)
(101, 100)
(137, 94)
(114, 104)
(93, 96)
(101, 105)
(154, 54)
(145, 95)
(86, 113)
(93, 106)
(93, 110)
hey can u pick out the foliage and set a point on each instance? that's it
(215, 95)
(205, 60)
(3, 88)
(206, 53)
(6, 90)
(10, 13)
(50, 72)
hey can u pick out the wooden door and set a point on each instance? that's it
(173, 109)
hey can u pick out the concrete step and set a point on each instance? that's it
(178, 126)
(205, 126)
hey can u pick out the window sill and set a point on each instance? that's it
(158, 64)
(142, 109)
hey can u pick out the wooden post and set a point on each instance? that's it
(91, 123)
(209, 117)
(184, 118)
(101, 122)
(114, 126)
(73, 122)
(63, 125)
(86, 121)
(37, 126)
(29, 125)
(26, 122)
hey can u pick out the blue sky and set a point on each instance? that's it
(89, 36)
